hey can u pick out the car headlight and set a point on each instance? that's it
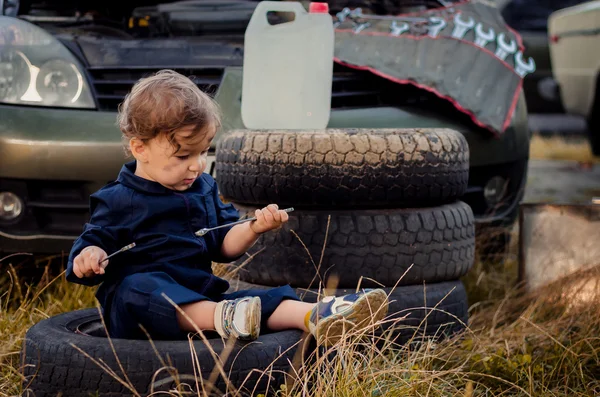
(36, 69)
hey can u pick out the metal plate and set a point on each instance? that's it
(557, 240)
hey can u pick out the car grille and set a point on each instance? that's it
(112, 84)
(350, 88)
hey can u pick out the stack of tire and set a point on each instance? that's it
(373, 208)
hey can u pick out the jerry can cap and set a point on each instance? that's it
(318, 8)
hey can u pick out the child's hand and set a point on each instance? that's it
(87, 263)
(268, 218)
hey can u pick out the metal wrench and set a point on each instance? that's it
(205, 230)
(126, 248)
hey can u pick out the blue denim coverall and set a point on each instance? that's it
(168, 257)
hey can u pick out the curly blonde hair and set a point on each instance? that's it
(162, 104)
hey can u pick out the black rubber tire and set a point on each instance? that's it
(594, 130)
(594, 121)
(343, 168)
(438, 242)
(431, 310)
(53, 366)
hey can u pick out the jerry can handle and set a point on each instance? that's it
(259, 17)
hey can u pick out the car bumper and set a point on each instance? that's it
(59, 144)
(35, 243)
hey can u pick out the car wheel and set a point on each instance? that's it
(404, 246)
(594, 130)
(59, 354)
(594, 122)
(343, 168)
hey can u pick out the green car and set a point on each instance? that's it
(65, 69)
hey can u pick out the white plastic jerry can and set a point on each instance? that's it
(288, 68)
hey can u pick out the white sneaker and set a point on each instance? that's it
(332, 316)
(239, 318)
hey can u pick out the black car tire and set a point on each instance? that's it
(343, 168)
(431, 310)
(594, 133)
(382, 245)
(594, 123)
(54, 367)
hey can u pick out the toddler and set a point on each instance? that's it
(158, 201)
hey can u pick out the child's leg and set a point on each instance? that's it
(290, 314)
(239, 318)
(331, 317)
(201, 313)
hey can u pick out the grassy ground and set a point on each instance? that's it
(562, 148)
(517, 344)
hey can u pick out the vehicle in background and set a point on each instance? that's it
(530, 19)
(69, 64)
(575, 55)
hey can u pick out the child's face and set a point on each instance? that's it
(158, 161)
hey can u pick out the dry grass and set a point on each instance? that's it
(518, 344)
(561, 148)
(23, 305)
